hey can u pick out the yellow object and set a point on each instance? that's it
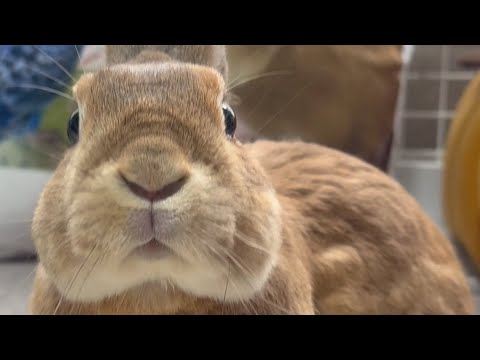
(461, 182)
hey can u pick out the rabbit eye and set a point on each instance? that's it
(230, 120)
(73, 127)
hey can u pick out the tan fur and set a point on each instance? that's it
(341, 96)
(214, 56)
(263, 228)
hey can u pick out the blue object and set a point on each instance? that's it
(24, 66)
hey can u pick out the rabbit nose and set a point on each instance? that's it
(156, 195)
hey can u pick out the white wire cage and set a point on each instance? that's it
(432, 81)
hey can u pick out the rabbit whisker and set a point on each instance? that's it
(258, 76)
(73, 279)
(38, 71)
(287, 104)
(79, 58)
(44, 88)
(54, 61)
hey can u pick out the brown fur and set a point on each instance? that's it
(214, 56)
(343, 238)
(341, 96)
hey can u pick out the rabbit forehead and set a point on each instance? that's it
(168, 80)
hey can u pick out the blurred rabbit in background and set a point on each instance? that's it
(342, 96)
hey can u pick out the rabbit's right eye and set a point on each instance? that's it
(73, 127)
(230, 120)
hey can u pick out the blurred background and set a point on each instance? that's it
(411, 110)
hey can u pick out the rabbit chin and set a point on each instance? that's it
(199, 280)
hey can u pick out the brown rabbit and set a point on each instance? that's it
(341, 96)
(158, 209)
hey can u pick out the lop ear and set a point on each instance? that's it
(207, 55)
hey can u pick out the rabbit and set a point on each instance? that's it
(319, 93)
(157, 208)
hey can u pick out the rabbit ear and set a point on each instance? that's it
(208, 55)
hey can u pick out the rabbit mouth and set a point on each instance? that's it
(153, 250)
